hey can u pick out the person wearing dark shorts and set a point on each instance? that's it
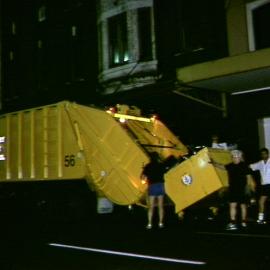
(263, 166)
(156, 189)
(239, 177)
(153, 172)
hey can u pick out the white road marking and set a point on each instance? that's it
(119, 253)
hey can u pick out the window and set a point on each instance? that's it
(42, 14)
(261, 20)
(118, 47)
(11, 56)
(257, 21)
(145, 34)
(198, 30)
(74, 31)
(13, 28)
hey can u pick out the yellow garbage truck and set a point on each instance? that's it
(107, 148)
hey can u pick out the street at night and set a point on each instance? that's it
(141, 105)
(82, 239)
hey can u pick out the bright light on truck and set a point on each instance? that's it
(131, 117)
(154, 117)
(123, 117)
(143, 181)
(122, 120)
(202, 162)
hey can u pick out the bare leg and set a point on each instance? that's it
(151, 201)
(244, 212)
(161, 209)
(233, 211)
(262, 202)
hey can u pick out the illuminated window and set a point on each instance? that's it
(39, 43)
(42, 14)
(13, 28)
(11, 55)
(118, 47)
(74, 31)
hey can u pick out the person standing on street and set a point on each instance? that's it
(239, 179)
(263, 166)
(153, 172)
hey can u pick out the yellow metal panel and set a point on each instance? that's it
(25, 144)
(4, 164)
(225, 66)
(20, 145)
(45, 143)
(196, 178)
(13, 145)
(40, 144)
(71, 141)
(222, 157)
(154, 136)
(114, 161)
(73, 159)
(59, 143)
(32, 145)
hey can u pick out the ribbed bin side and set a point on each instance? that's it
(196, 178)
(39, 144)
(114, 160)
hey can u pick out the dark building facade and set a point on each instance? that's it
(49, 48)
(189, 32)
(49, 52)
(184, 59)
(143, 42)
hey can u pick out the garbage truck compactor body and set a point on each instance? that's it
(67, 141)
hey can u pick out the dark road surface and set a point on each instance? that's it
(52, 236)
(87, 242)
